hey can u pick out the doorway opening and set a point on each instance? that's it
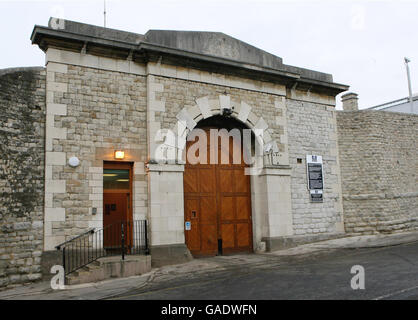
(217, 198)
(117, 205)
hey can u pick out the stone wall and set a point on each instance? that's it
(22, 149)
(379, 167)
(90, 113)
(178, 94)
(312, 130)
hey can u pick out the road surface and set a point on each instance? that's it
(389, 273)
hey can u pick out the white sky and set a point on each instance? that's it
(361, 43)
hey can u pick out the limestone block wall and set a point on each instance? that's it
(22, 152)
(379, 168)
(91, 111)
(312, 129)
(166, 204)
(188, 97)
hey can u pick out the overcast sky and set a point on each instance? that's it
(361, 43)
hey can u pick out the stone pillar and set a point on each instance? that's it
(54, 213)
(272, 207)
(350, 101)
(166, 214)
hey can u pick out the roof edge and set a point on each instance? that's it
(79, 34)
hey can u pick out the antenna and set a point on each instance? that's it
(104, 13)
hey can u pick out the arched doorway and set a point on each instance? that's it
(217, 196)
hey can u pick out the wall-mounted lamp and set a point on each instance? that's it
(226, 112)
(120, 155)
(73, 162)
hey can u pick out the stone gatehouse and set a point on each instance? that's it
(114, 110)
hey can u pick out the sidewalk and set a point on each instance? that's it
(89, 291)
(112, 287)
(355, 242)
(101, 290)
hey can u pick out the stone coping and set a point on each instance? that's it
(20, 69)
(130, 46)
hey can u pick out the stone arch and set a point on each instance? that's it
(174, 140)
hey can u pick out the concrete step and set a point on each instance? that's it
(111, 267)
(93, 266)
(95, 263)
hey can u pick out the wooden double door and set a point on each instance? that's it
(217, 201)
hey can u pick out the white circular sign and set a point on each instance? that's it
(73, 162)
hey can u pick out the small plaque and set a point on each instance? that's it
(188, 225)
(314, 171)
(316, 195)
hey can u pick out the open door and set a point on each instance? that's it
(117, 205)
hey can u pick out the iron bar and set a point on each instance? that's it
(122, 238)
(123, 241)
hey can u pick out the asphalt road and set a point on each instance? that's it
(390, 273)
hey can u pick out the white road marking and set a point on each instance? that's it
(395, 293)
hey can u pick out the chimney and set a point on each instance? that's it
(350, 101)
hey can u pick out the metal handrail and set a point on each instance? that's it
(393, 103)
(58, 247)
(121, 238)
